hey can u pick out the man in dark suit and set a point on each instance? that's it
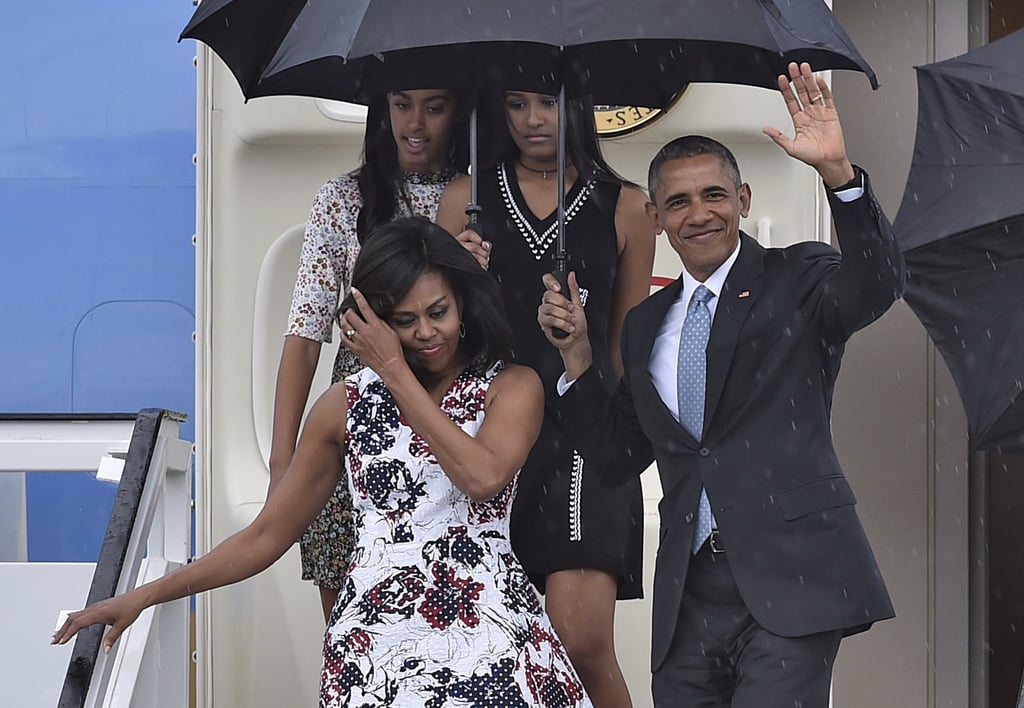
(763, 565)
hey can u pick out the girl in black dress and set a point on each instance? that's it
(580, 542)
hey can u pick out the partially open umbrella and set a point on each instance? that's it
(961, 226)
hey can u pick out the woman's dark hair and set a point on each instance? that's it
(405, 249)
(379, 178)
(582, 146)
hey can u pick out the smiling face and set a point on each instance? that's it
(699, 206)
(427, 323)
(422, 121)
(532, 120)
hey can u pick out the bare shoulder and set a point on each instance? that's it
(451, 212)
(327, 417)
(632, 201)
(458, 186)
(633, 224)
(520, 381)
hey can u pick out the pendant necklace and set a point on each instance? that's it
(542, 173)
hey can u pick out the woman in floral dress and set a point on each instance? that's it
(435, 609)
(414, 142)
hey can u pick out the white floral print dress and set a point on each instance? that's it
(435, 609)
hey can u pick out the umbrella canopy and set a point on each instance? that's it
(640, 52)
(961, 226)
(351, 50)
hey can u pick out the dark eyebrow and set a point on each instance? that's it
(431, 306)
(706, 190)
(677, 195)
(714, 188)
(435, 97)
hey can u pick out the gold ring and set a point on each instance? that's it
(819, 97)
(350, 334)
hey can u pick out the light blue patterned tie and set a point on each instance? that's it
(690, 383)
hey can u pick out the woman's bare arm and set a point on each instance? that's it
(299, 358)
(302, 493)
(636, 236)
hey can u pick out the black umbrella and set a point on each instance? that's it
(638, 52)
(352, 50)
(961, 226)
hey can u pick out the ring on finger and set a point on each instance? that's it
(350, 334)
(819, 97)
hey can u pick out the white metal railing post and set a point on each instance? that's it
(30, 443)
(149, 666)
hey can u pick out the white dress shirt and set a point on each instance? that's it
(664, 364)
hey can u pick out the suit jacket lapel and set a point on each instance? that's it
(650, 315)
(738, 294)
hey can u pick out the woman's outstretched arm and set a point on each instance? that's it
(310, 480)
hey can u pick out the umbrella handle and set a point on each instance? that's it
(473, 212)
(561, 274)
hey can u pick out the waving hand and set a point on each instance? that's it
(817, 134)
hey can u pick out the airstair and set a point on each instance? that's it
(148, 535)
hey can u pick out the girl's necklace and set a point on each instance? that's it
(542, 173)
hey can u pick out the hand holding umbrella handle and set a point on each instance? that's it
(473, 212)
(562, 276)
(472, 239)
(562, 308)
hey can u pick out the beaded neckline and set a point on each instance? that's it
(539, 243)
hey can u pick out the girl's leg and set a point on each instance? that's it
(581, 604)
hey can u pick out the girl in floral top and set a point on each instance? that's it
(413, 144)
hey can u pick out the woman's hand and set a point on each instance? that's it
(118, 612)
(480, 249)
(370, 338)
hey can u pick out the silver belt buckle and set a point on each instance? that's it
(714, 543)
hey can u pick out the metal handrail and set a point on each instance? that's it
(123, 546)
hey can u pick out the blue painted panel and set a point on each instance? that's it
(94, 246)
(104, 68)
(66, 516)
(126, 356)
(97, 194)
(133, 355)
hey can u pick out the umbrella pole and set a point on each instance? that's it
(561, 257)
(473, 209)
